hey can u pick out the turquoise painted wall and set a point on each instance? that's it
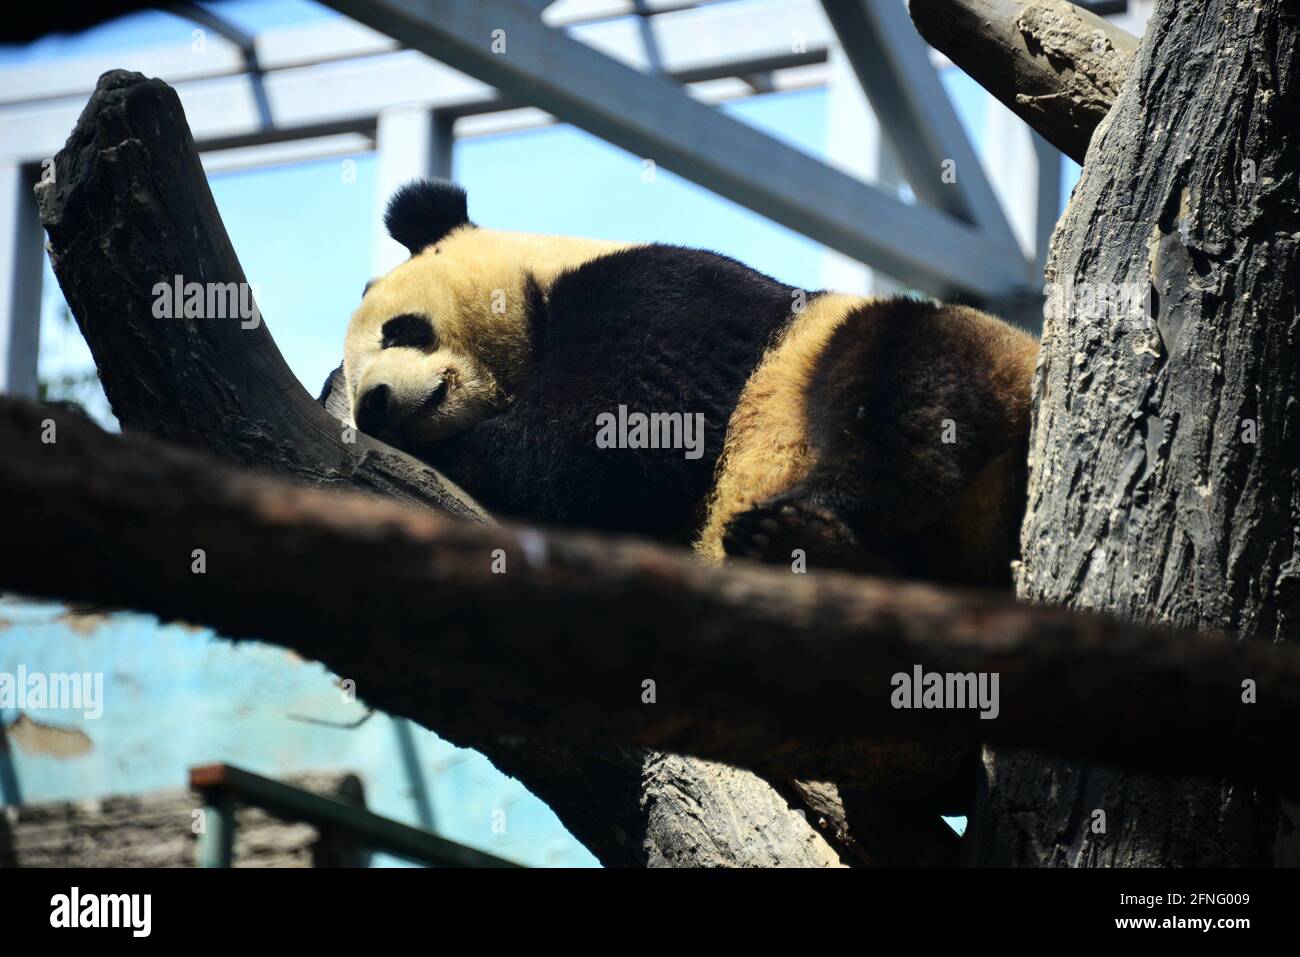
(176, 696)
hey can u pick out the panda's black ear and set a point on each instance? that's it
(423, 211)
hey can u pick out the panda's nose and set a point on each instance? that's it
(374, 409)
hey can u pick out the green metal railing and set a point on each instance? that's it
(225, 787)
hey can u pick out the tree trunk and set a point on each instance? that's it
(1163, 481)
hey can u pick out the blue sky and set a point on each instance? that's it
(155, 27)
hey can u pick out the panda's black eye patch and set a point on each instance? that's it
(407, 331)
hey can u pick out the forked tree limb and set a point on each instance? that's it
(1058, 66)
(129, 207)
(790, 675)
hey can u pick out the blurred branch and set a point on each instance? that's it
(790, 675)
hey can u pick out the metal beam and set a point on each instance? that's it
(1047, 199)
(224, 782)
(216, 845)
(247, 44)
(324, 79)
(1026, 173)
(1104, 8)
(21, 245)
(286, 153)
(652, 117)
(893, 65)
(411, 142)
(697, 42)
(855, 142)
(576, 11)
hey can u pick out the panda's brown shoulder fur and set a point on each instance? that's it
(885, 435)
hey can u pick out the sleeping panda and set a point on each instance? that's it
(883, 435)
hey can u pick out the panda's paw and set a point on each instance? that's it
(782, 529)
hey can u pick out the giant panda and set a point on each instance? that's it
(886, 435)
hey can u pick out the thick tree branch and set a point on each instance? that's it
(408, 603)
(1057, 66)
(790, 675)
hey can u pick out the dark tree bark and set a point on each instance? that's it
(31, 22)
(1054, 64)
(130, 207)
(789, 675)
(1164, 481)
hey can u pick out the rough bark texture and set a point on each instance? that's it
(870, 831)
(789, 675)
(130, 207)
(1163, 464)
(1057, 66)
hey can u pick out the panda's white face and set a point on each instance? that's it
(443, 341)
(426, 356)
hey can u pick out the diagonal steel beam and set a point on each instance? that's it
(893, 65)
(247, 47)
(653, 117)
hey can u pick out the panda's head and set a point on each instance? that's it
(439, 342)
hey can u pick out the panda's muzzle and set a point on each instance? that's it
(372, 413)
(382, 414)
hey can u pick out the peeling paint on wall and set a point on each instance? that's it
(83, 623)
(176, 697)
(37, 737)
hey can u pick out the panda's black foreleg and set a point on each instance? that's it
(784, 529)
(812, 521)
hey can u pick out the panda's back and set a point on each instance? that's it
(649, 329)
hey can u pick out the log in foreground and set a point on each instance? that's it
(1055, 65)
(129, 208)
(789, 675)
